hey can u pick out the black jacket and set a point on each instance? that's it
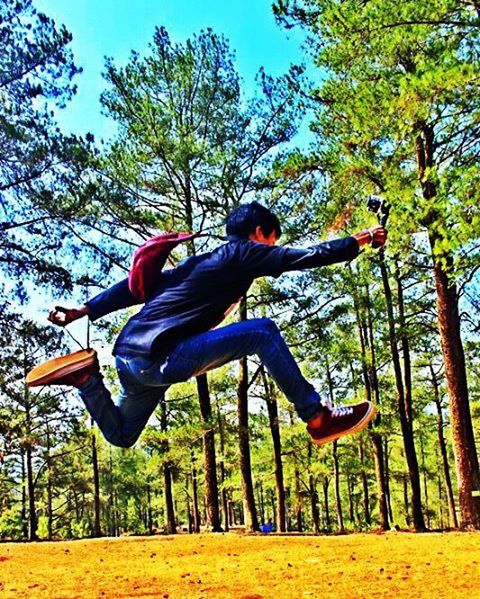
(195, 296)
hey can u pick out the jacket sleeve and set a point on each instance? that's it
(323, 254)
(114, 298)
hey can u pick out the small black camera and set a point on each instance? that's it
(378, 206)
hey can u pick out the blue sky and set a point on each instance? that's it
(115, 27)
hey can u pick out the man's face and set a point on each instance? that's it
(259, 237)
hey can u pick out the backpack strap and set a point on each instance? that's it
(149, 260)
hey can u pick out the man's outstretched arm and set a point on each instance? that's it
(114, 298)
(332, 252)
(259, 259)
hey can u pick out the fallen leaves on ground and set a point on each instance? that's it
(246, 567)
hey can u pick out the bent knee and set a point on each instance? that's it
(267, 325)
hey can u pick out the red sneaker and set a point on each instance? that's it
(333, 423)
(72, 369)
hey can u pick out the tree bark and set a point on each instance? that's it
(97, 532)
(261, 503)
(24, 495)
(167, 475)
(196, 510)
(364, 479)
(425, 481)
(443, 452)
(111, 498)
(372, 392)
(405, 500)
(325, 485)
(377, 446)
(274, 509)
(272, 408)
(404, 409)
(351, 491)
(211, 483)
(149, 509)
(314, 504)
(48, 460)
(298, 502)
(466, 458)
(32, 512)
(223, 477)
(251, 518)
(387, 480)
(312, 487)
(336, 470)
(465, 451)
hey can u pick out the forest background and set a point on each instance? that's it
(380, 99)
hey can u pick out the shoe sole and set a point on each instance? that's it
(57, 368)
(369, 415)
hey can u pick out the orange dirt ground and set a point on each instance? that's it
(236, 566)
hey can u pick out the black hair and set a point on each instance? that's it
(243, 220)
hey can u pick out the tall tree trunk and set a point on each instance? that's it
(251, 518)
(298, 502)
(196, 510)
(32, 512)
(364, 479)
(387, 480)
(24, 495)
(223, 477)
(403, 409)
(405, 499)
(465, 451)
(111, 497)
(272, 408)
(167, 475)
(351, 491)
(211, 484)
(298, 507)
(97, 532)
(425, 480)
(372, 392)
(226, 519)
(188, 505)
(312, 487)
(274, 509)
(336, 470)
(336, 479)
(439, 489)
(48, 464)
(211, 481)
(149, 509)
(443, 452)
(377, 447)
(261, 503)
(325, 485)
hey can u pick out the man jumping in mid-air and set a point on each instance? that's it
(172, 338)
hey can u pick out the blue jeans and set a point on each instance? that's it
(144, 381)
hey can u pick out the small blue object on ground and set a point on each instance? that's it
(266, 528)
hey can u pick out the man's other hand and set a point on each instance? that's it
(63, 316)
(376, 236)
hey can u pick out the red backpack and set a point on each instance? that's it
(148, 261)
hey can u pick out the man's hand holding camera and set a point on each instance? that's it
(375, 236)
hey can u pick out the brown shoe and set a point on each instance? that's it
(333, 423)
(72, 369)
